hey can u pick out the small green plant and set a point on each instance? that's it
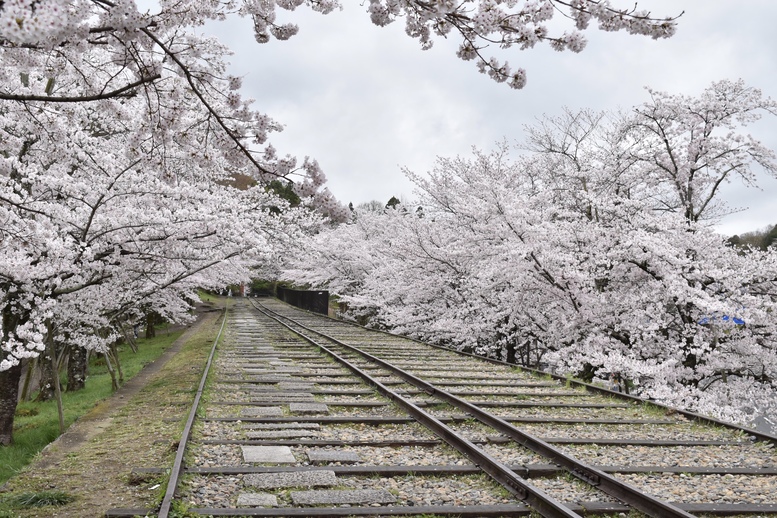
(439, 407)
(179, 509)
(37, 499)
(503, 493)
(26, 412)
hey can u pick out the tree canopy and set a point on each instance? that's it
(590, 251)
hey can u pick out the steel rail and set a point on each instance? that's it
(608, 484)
(756, 434)
(177, 469)
(536, 498)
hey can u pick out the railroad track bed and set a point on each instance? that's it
(662, 453)
(242, 415)
(287, 429)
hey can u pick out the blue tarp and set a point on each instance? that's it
(724, 318)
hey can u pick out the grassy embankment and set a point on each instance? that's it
(37, 424)
(140, 430)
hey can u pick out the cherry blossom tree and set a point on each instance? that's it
(101, 217)
(692, 146)
(480, 24)
(113, 247)
(590, 252)
(122, 131)
(142, 46)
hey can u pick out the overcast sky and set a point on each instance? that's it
(366, 101)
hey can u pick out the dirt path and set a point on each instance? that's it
(100, 417)
(137, 427)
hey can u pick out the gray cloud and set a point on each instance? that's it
(366, 101)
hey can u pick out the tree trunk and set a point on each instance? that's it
(510, 352)
(151, 320)
(29, 367)
(58, 395)
(117, 362)
(9, 395)
(47, 373)
(111, 371)
(76, 369)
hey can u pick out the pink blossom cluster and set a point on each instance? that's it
(123, 15)
(612, 19)
(44, 22)
(521, 23)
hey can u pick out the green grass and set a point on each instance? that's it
(32, 500)
(41, 499)
(37, 424)
(207, 297)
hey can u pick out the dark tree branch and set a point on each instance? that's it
(81, 98)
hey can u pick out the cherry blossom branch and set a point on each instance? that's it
(215, 114)
(119, 92)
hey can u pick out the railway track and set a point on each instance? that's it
(307, 416)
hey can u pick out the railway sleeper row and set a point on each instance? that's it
(738, 439)
(289, 432)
